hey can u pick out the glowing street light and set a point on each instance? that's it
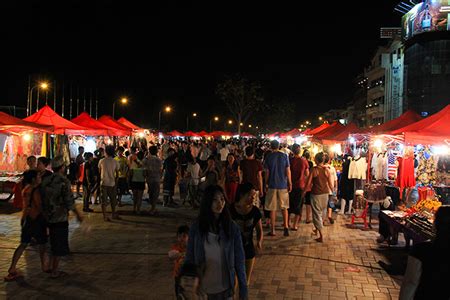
(194, 115)
(241, 124)
(216, 119)
(249, 125)
(320, 118)
(122, 100)
(42, 85)
(230, 122)
(167, 109)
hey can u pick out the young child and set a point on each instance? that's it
(177, 254)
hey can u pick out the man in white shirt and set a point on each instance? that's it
(224, 153)
(109, 172)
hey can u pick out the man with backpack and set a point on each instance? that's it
(57, 201)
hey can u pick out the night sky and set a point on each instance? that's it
(157, 54)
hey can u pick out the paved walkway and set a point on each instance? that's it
(127, 259)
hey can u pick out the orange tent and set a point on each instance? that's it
(121, 130)
(434, 129)
(15, 125)
(128, 124)
(47, 116)
(85, 120)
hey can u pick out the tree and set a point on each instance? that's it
(278, 115)
(242, 98)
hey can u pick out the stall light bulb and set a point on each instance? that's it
(26, 137)
(352, 140)
(141, 134)
(378, 143)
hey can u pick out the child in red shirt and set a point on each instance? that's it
(177, 253)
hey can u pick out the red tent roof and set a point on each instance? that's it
(47, 116)
(293, 133)
(246, 134)
(85, 120)
(434, 129)
(12, 124)
(342, 135)
(191, 134)
(110, 122)
(317, 129)
(174, 133)
(203, 133)
(408, 117)
(128, 124)
(329, 132)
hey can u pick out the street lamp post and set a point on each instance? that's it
(167, 109)
(187, 120)
(122, 100)
(43, 86)
(216, 119)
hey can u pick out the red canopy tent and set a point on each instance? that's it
(174, 133)
(342, 135)
(273, 135)
(292, 133)
(434, 129)
(216, 133)
(47, 116)
(85, 120)
(128, 124)
(247, 135)
(317, 129)
(15, 125)
(332, 130)
(408, 117)
(121, 130)
(191, 134)
(203, 133)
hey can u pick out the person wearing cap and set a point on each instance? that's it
(57, 202)
(278, 186)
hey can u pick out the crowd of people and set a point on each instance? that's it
(237, 187)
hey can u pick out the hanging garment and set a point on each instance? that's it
(346, 185)
(358, 168)
(391, 165)
(405, 176)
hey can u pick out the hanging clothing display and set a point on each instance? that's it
(378, 166)
(346, 185)
(392, 165)
(358, 168)
(426, 170)
(405, 176)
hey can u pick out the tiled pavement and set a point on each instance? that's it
(128, 260)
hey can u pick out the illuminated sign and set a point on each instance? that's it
(430, 15)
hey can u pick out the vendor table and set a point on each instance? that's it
(397, 225)
(8, 182)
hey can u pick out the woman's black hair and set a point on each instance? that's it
(28, 177)
(235, 165)
(140, 155)
(242, 190)
(206, 218)
(320, 157)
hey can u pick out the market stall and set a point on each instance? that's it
(18, 140)
(419, 172)
(123, 132)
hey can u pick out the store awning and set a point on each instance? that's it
(47, 116)
(129, 124)
(121, 130)
(203, 133)
(10, 124)
(85, 120)
(191, 134)
(292, 133)
(432, 130)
